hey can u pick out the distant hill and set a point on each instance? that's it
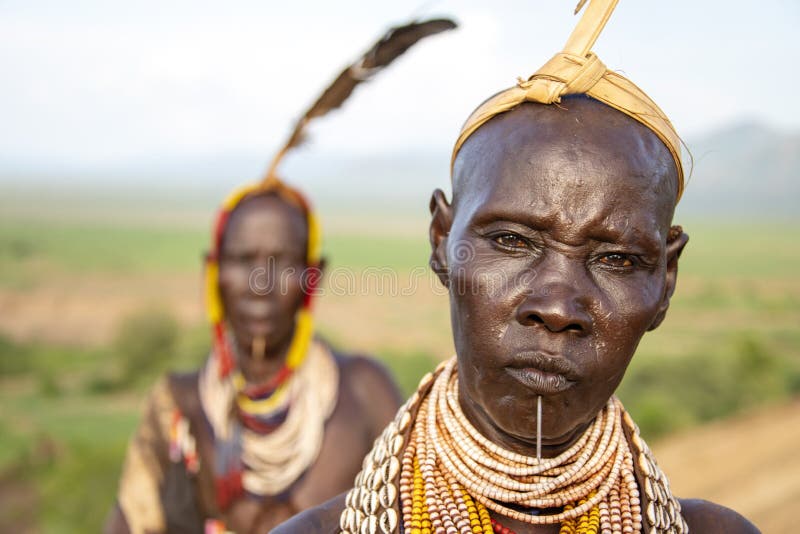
(745, 169)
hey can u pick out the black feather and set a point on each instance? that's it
(391, 46)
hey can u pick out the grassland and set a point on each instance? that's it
(76, 291)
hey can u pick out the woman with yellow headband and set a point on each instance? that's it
(275, 421)
(559, 254)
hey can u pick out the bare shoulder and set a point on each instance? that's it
(706, 517)
(369, 380)
(359, 369)
(323, 519)
(373, 391)
(116, 522)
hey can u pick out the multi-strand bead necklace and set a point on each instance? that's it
(271, 461)
(448, 478)
(462, 474)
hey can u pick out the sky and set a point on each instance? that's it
(103, 83)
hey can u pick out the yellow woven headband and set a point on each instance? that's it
(576, 70)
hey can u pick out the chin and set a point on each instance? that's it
(520, 423)
(527, 432)
(517, 418)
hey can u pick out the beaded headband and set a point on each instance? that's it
(576, 70)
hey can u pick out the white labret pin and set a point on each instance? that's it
(538, 428)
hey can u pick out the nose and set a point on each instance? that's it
(263, 279)
(557, 299)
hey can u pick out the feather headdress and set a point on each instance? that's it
(388, 48)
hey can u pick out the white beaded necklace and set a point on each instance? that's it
(277, 459)
(597, 463)
(372, 505)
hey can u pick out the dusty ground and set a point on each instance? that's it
(87, 310)
(749, 463)
(18, 503)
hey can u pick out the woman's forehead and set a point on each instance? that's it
(577, 120)
(574, 165)
(265, 218)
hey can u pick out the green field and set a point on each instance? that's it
(731, 342)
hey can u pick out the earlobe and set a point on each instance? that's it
(675, 244)
(313, 276)
(441, 220)
(323, 262)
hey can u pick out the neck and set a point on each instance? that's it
(258, 370)
(526, 446)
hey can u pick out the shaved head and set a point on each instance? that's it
(583, 130)
(556, 245)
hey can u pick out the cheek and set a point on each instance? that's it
(483, 297)
(633, 295)
(623, 313)
(291, 292)
(233, 282)
(631, 303)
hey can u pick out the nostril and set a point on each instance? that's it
(556, 313)
(535, 319)
(553, 324)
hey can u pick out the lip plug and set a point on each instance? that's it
(259, 348)
(538, 428)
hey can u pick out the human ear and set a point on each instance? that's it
(675, 243)
(441, 220)
(313, 275)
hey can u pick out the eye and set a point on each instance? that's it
(510, 241)
(238, 259)
(616, 259)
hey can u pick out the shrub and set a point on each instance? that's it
(144, 344)
(666, 394)
(15, 359)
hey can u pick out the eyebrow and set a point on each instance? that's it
(247, 249)
(607, 235)
(598, 232)
(489, 216)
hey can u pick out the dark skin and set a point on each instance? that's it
(262, 261)
(568, 266)
(263, 230)
(556, 256)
